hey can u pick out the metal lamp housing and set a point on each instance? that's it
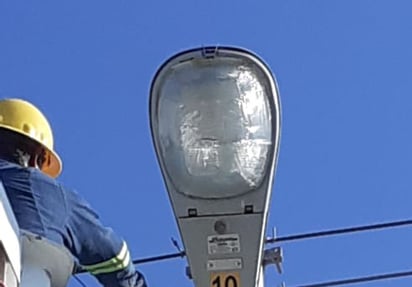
(215, 122)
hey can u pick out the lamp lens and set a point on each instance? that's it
(215, 131)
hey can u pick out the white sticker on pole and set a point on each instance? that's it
(224, 264)
(223, 244)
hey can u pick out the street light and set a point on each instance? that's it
(215, 122)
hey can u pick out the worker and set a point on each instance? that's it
(28, 168)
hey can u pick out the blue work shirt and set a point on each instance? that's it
(44, 207)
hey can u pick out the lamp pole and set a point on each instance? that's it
(215, 122)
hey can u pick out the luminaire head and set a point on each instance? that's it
(215, 122)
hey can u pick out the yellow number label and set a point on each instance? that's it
(225, 279)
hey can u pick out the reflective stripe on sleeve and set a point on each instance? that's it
(119, 262)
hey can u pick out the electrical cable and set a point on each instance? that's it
(340, 231)
(181, 254)
(159, 257)
(360, 279)
(79, 281)
(302, 236)
(295, 237)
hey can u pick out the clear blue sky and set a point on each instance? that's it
(344, 70)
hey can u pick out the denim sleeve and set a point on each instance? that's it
(97, 248)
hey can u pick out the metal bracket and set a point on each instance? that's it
(209, 52)
(188, 273)
(273, 256)
(176, 244)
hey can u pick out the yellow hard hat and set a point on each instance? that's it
(24, 118)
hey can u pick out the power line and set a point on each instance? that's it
(79, 281)
(180, 254)
(295, 237)
(341, 282)
(340, 231)
(360, 279)
(304, 236)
